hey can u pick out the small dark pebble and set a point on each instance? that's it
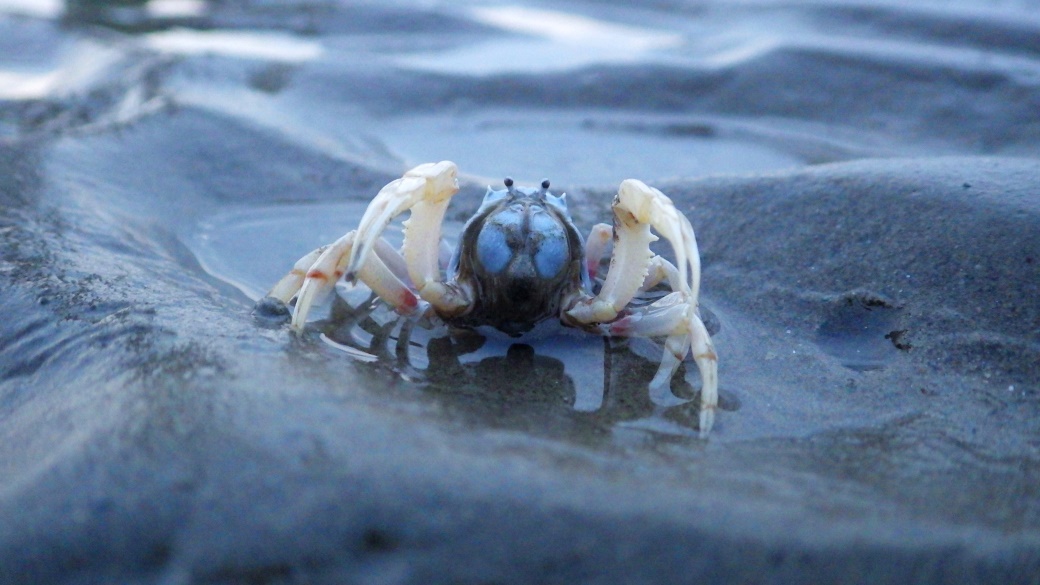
(897, 338)
(377, 541)
(271, 313)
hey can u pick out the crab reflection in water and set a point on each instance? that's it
(552, 373)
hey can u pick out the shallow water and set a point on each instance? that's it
(558, 145)
(252, 247)
(163, 164)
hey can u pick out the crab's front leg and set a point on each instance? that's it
(637, 207)
(426, 190)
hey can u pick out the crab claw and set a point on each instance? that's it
(637, 208)
(430, 183)
(650, 206)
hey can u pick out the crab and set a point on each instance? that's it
(521, 261)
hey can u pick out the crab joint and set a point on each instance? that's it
(318, 275)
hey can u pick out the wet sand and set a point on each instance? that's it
(863, 186)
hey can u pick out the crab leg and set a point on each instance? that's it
(596, 247)
(665, 316)
(315, 275)
(633, 266)
(286, 288)
(658, 271)
(708, 364)
(673, 316)
(426, 190)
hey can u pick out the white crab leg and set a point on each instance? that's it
(320, 277)
(392, 259)
(690, 334)
(326, 268)
(596, 246)
(426, 190)
(669, 315)
(665, 316)
(628, 268)
(290, 284)
(658, 271)
(433, 183)
(286, 288)
(672, 315)
(385, 273)
(708, 364)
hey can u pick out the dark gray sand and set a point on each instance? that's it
(864, 186)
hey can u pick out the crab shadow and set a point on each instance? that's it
(560, 383)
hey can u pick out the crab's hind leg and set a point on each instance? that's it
(426, 190)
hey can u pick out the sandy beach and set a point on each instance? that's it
(862, 181)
